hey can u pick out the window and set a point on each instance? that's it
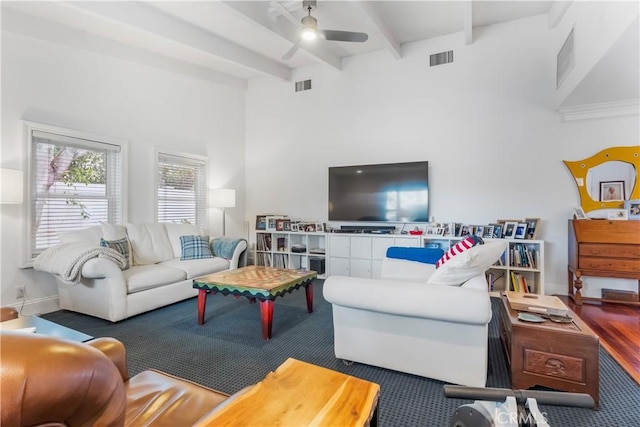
(76, 181)
(181, 189)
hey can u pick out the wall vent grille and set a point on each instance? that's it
(566, 60)
(303, 85)
(441, 58)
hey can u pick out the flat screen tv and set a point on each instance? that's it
(394, 192)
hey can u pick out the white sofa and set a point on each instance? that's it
(156, 276)
(403, 322)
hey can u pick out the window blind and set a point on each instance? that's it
(181, 189)
(75, 183)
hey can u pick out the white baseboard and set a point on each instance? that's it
(37, 306)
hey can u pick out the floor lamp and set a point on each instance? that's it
(224, 198)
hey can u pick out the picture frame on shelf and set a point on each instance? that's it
(440, 231)
(578, 213)
(319, 227)
(521, 230)
(307, 227)
(294, 226)
(532, 227)
(497, 230)
(457, 228)
(478, 230)
(464, 230)
(488, 232)
(431, 231)
(449, 229)
(280, 224)
(632, 206)
(271, 223)
(612, 191)
(510, 229)
(261, 222)
(617, 214)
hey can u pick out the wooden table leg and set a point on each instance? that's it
(266, 316)
(202, 302)
(309, 290)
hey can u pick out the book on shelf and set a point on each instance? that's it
(519, 283)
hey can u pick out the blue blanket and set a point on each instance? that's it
(224, 246)
(425, 255)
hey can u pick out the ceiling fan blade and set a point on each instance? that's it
(343, 36)
(291, 51)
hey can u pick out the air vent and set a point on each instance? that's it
(303, 85)
(440, 58)
(566, 60)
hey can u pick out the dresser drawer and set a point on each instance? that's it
(609, 264)
(609, 250)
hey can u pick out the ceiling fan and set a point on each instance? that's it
(309, 30)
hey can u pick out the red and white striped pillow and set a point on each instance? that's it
(459, 248)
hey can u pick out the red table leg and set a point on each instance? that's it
(266, 315)
(202, 302)
(309, 290)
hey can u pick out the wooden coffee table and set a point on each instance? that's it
(560, 356)
(260, 283)
(302, 394)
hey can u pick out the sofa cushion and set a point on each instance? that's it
(198, 267)
(86, 235)
(174, 231)
(116, 232)
(405, 270)
(472, 262)
(424, 255)
(142, 277)
(459, 248)
(195, 247)
(150, 243)
(120, 245)
(224, 246)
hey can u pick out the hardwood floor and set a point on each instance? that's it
(618, 327)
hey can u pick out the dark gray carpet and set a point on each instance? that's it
(227, 353)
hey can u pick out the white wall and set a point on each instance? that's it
(485, 123)
(76, 89)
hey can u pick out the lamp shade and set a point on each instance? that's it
(11, 182)
(223, 198)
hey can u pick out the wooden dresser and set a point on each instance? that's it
(603, 248)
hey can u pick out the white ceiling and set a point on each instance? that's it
(246, 39)
(232, 41)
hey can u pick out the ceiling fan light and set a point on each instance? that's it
(309, 28)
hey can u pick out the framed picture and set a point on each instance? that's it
(633, 208)
(617, 214)
(510, 229)
(271, 223)
(532, 227)
(521, 230)
(440, 231)
(478, 230)
(307, 227)
(488, 232)
(611, 191)
(464, 230)
(578, 213)
(320, 227)
(261, 222)
(294, 226)
(497, 230)
(449, 229)
(280, 224)
(431, 231)
(457, 229)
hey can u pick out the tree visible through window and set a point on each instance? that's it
(75, 183)
(181, 189)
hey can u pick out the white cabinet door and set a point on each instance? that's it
(380, 245)
(376, 268)
(339, 246)
(411, 242)
(360, 247)
(339, 266)
(360, 268)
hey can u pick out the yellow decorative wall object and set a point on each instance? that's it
(579, 169)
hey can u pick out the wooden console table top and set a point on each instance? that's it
(302, 394)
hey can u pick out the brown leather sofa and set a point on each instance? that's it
(48, 381)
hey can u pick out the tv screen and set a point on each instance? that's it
(395, 192)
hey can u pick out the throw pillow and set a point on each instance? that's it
(471, 263)
(224, 246)
(424, 255)
(195, 247)
(459, 248)
(121, 245)
(116, 232)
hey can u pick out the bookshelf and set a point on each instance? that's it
(522, 262)
(293, 250)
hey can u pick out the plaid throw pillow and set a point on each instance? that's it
(120, 245)
(195, 247)
(458, 248)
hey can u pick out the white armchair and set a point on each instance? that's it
(404, 323)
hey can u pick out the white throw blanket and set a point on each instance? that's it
(66, 260)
